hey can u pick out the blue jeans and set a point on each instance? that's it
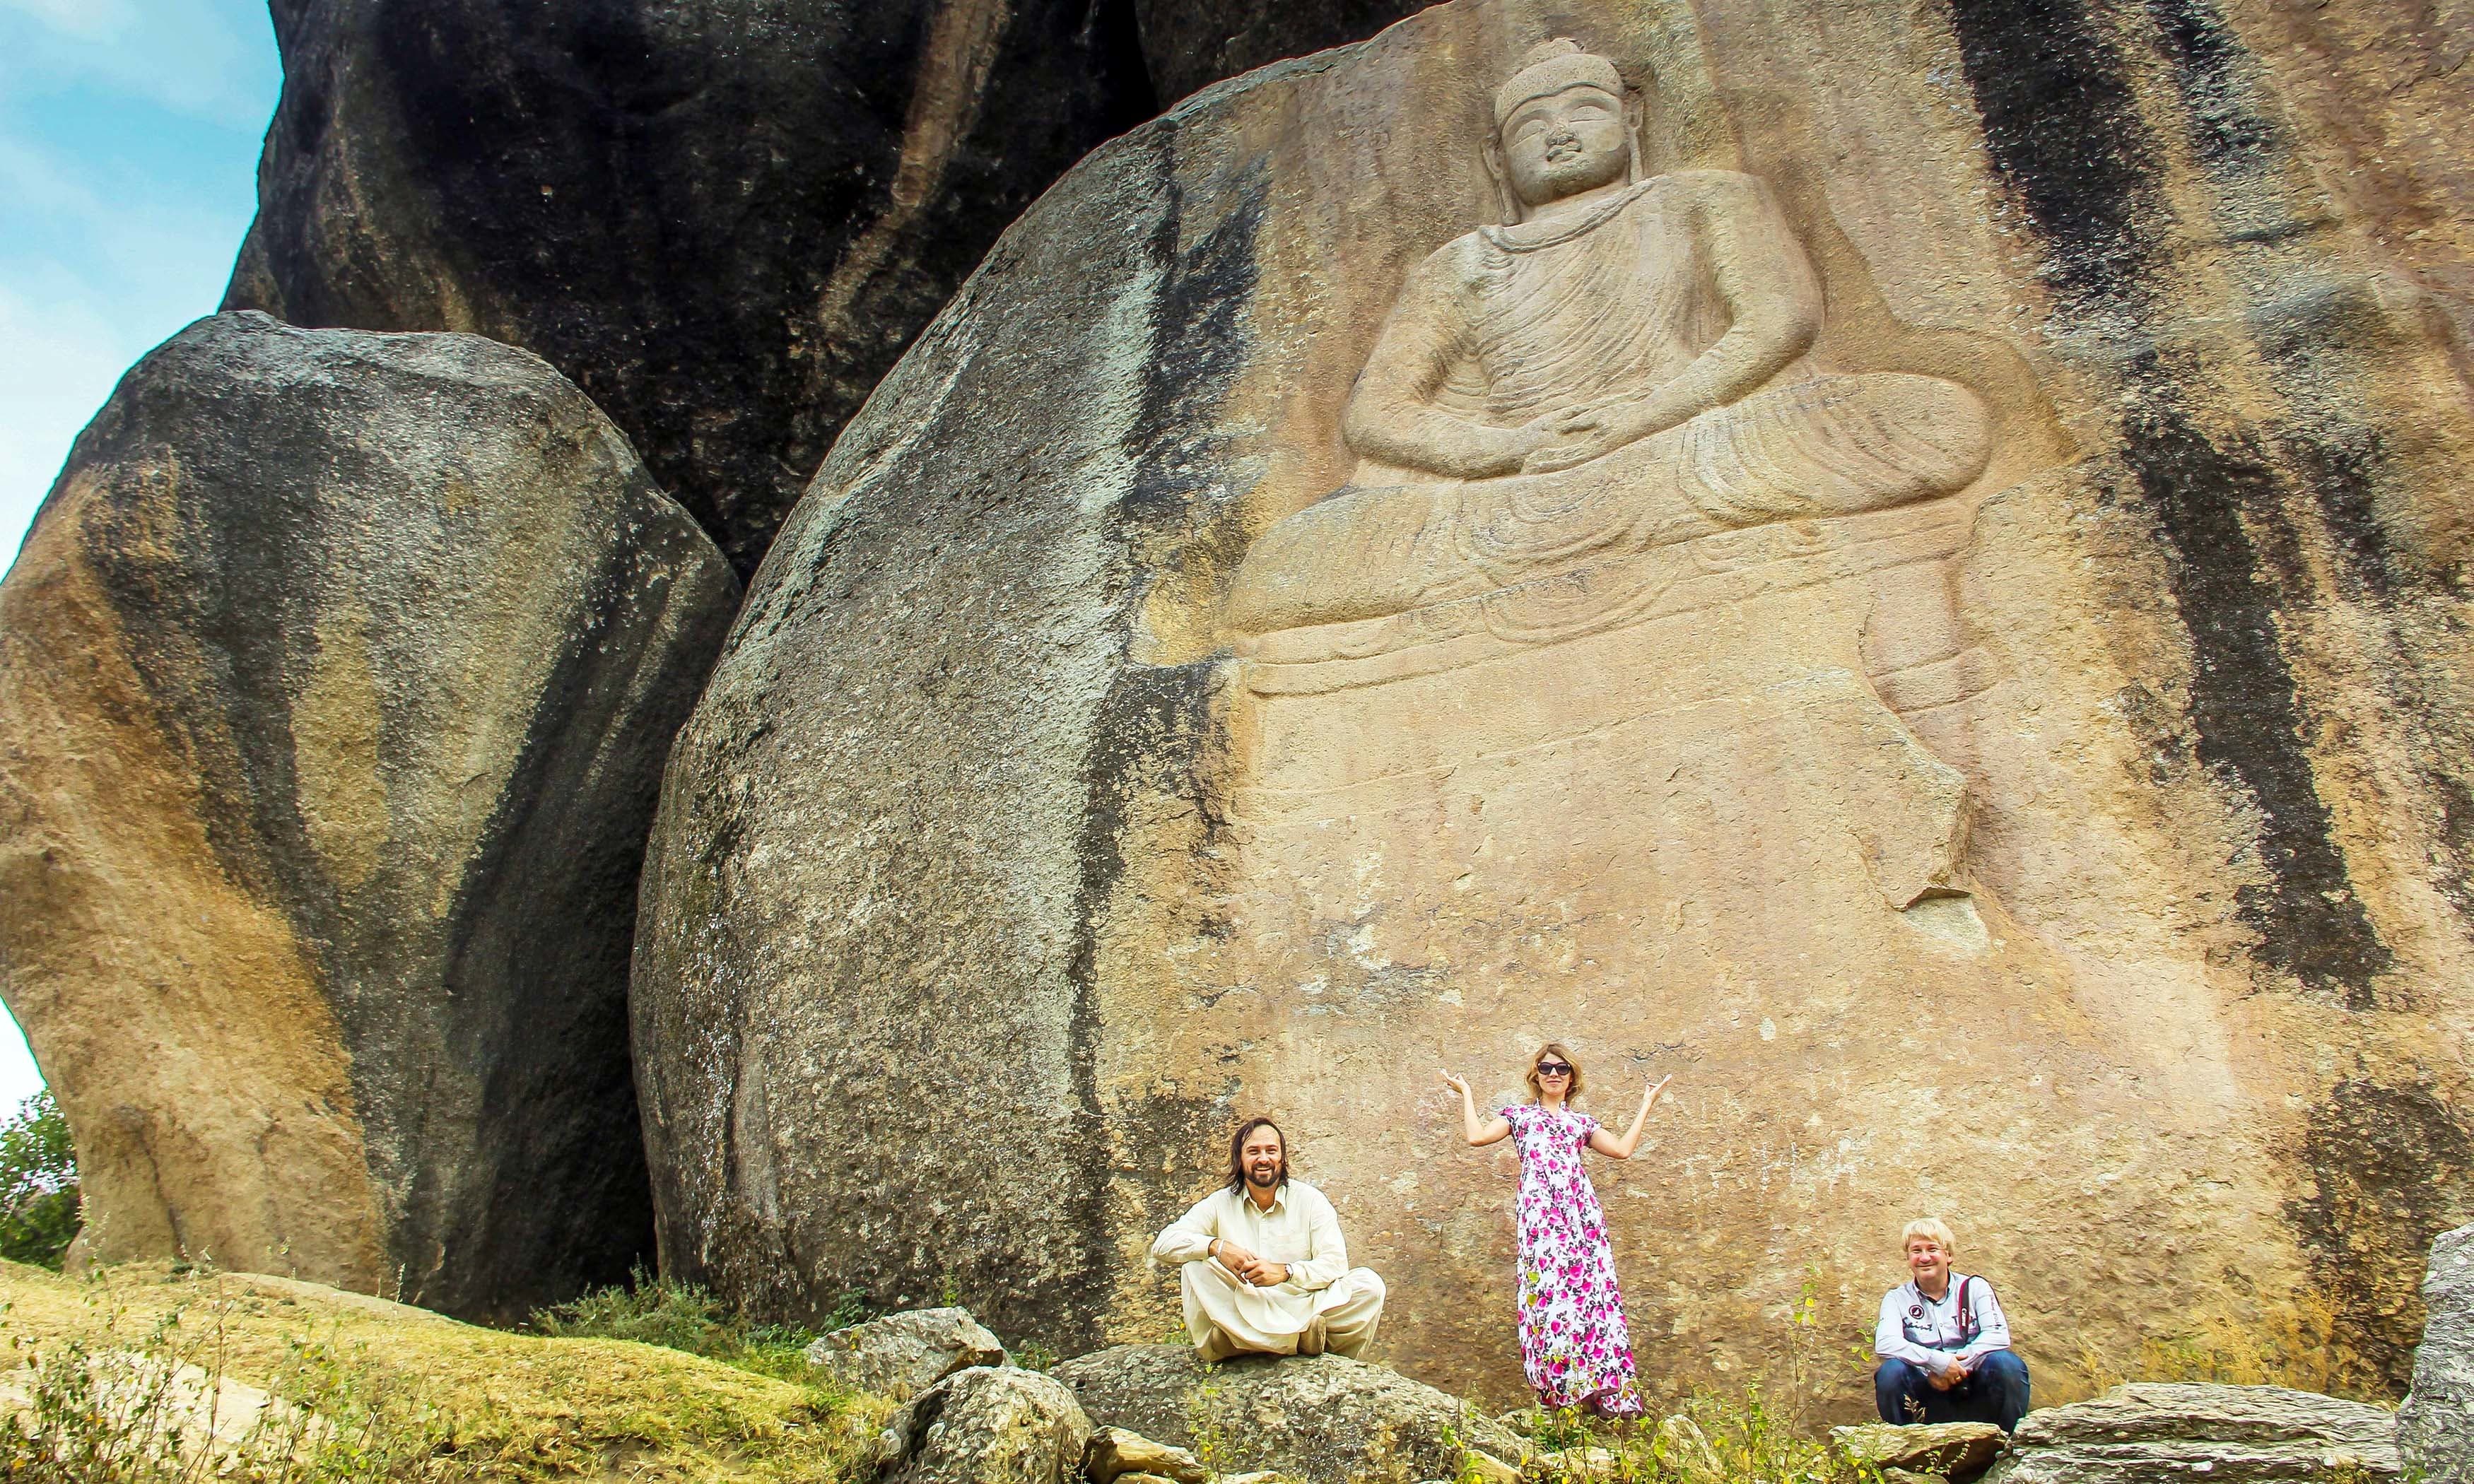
(1995, 1391)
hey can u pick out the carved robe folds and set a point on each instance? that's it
(1684, 279)
(1609, 720)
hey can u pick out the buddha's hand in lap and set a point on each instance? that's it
(1575, 436)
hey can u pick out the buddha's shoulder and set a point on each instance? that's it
(1456, 260)
(1716, 187)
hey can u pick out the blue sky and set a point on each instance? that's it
(128, 135)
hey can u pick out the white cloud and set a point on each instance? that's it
(19, 1078)
(209, 59)
(83, 20)
(128, 132)
(59, 361)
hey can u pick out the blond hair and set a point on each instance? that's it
(1553, 1049)
(1929, 1226)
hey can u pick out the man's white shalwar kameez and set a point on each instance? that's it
(1228, 1316)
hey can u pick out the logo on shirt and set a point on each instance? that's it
(1915, 1311)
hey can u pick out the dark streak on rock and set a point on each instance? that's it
(2391, 1167)
(1156, 724)
(2064, 131)
(2242, 697)
(2225, 130)
(2065, 134)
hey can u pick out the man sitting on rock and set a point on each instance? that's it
(1262, 1264)
(1944, 1346)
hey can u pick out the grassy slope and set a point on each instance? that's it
(516, 1406)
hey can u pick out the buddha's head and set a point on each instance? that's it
(1562, 126)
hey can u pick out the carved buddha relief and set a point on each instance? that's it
(1622, 366)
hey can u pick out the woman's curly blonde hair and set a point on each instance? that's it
(1554, 1048)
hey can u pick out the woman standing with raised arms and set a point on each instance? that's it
(1573, 1340)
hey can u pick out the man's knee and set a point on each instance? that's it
(1897, 1387)
(1368, 1283)
(1900, 1375)
(2003, 1366)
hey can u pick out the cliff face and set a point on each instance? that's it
(723, 219)
(2072, 842)
(336, 677)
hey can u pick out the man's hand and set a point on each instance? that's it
(1949, 1375)
(1265, 1275)
(1235, 1258)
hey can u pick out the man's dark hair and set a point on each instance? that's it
(1237, 1153)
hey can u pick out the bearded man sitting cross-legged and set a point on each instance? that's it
(1262, 1264)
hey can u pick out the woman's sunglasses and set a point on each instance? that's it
(1554, 1069)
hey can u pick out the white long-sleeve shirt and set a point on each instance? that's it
(1301, 1230)
(1931, 1333)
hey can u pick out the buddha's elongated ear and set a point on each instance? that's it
(1505, 196)
(1635, 115)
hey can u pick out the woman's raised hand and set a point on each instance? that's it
(1477, 1132)
(1620, 1146)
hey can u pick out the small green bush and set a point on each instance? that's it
(649, 1310)
(663, 1311)
(38, 1186)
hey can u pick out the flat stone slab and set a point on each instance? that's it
(2144, 1432)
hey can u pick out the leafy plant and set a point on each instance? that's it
(1717, 1438)
(851, 1309)
(38, 1186)
(1033, 1356)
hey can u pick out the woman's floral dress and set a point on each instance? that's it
(1573, 1340)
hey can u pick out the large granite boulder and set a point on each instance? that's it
(2436, 1424)
(1324, 1420)
(989, 1426)
(903, 1354)
(1188, 44)
(724, 218)
(2181, 1431)
(337, 676)
(1180, 696)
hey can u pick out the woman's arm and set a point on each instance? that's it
(1480, 1134)
(1615, 1148)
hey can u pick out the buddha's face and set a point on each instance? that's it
(1567, 143)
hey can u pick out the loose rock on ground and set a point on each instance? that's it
(1958, 1451)
(901, 1356)
(1323, 1420)
(2436, 1424)
(989, 1426)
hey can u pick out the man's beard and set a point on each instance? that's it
(1261, 1179)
